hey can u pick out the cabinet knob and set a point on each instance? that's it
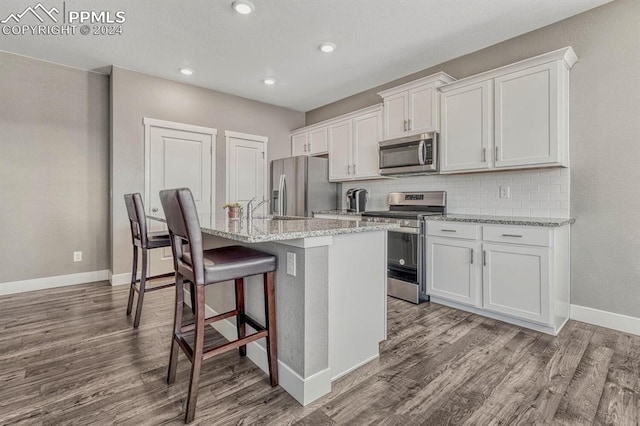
(154, 210)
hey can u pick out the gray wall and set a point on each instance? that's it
(605, 142)
(135, 95)
(54, 163)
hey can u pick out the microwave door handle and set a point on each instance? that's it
(421, 152)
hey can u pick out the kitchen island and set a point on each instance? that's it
(330, 295)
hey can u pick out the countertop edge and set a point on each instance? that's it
(496, 220)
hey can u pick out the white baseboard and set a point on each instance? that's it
(624, 323)
(52, 282)
(120, 279)
(303, 390)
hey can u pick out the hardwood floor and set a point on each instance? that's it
(71, 356)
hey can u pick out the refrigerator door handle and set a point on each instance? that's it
(283, 197)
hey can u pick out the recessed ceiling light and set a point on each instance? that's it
(186, 71)
(269, 81)
(243, 7)
(327, 47)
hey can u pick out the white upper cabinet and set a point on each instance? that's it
(340, 147)
(299, 143)
(309, 141)
(367, 131)
(466, 126)
(413, 107)
(527, 117)
(353, 145)
(512, 117)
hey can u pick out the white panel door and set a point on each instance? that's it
(422, 109)
(452, 270)
(466, 127)
(526, 108)
(396, 112)
(177, 159)
(246, 172)
(299, 144)
(340, 145)
(366, 135)
(516, 281)
(318, 141)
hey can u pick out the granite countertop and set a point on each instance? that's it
(549, 222)
(339, 212)
(264, 230)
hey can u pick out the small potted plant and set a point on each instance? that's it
(234, 211)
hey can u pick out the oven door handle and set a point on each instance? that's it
(405, 230)
(421, 153)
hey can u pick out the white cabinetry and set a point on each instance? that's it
(353, 145)
(452, 271)
(309, 141)
(512, 117)
(518, 274)
(413, 107)
(516, 281)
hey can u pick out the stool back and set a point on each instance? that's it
(183, 223)
(137, 219)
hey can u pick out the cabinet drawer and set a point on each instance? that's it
(517, 235)
(452, 230)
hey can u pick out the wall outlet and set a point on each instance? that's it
(291, 263)
(505, 191)
(77, 256)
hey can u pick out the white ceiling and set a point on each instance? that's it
(377, 40)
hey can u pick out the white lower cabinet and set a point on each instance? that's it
(452, 270)
(516, 281)
(518, 274)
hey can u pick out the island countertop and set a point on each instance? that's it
(274, 229)
(549, 222)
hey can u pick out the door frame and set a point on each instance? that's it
(153, 122)
(228, 134)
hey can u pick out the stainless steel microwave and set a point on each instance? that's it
(409, 155)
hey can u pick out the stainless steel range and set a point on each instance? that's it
(405, 260)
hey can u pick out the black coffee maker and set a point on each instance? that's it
(357, 200)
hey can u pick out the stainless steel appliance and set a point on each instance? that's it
(357, 200)
(409, 155)
(300, 185)
(405, 258)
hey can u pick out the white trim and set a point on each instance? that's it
(566, 54)
(13, 287)
(153, 122)
(347, 116)
(624, 323)
(228, 134)
(303, 390)
(355, 367)
(119, 279)
(438, 78)
(247, 136)
(548, 329)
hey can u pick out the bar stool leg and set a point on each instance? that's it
(134, 274)
(198, 344)
(240, 322)
(177, 325)
(143, 283)
(270, 319)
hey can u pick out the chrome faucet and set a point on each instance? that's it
(251, 209)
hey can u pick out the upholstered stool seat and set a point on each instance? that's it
(228, 263)
(210, 267)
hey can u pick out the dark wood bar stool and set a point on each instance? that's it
(142, 241)
(210, 267)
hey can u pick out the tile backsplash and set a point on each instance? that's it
(534, 193)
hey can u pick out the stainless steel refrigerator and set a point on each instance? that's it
(300, 185)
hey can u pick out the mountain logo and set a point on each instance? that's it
(39, 11)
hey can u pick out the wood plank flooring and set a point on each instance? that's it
(69, 356)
